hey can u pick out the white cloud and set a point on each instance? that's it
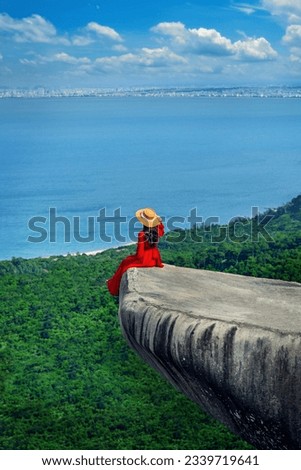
(293, 34)
(254, 49)
(105, 31)
(209, 42)
(119, 48)
(31, 29)
(92, 32)
(277, 5)
(176, 29)
(59, 57)
(1, 56)
(201, 41)
(28, 61)
(36, 29)
(68, 59)
(295, 55)
(290, 10)
(245, 8)
(158, 57)
(292, 38)
(81, 40)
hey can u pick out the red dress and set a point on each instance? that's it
(146, 257)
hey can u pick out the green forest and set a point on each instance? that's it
(68, 379)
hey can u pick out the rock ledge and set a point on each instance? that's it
(230, 343)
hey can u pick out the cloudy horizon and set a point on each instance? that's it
(112, 44)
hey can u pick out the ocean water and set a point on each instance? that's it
(65, 161)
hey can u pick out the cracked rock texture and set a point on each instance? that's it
(230, 343)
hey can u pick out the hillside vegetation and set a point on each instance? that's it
(68, 380)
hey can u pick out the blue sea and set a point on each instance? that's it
(67, 161)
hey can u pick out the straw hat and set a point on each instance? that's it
(148, 217)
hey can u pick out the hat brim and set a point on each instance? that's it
(147, 222)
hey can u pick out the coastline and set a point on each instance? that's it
(77, 253)
(88, 253)
(155, 92)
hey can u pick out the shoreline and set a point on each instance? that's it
(77, 253)
(274, 91)
(88, 253)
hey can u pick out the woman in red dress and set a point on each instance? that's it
(147, 253)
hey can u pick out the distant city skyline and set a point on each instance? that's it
(176, 43)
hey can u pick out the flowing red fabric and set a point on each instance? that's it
(146, 256)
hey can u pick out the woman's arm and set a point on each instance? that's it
(161, 229)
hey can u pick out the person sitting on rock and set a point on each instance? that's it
(147, 254)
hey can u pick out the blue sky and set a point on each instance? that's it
(128, 43)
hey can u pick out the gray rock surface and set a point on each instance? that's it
(230, 343)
